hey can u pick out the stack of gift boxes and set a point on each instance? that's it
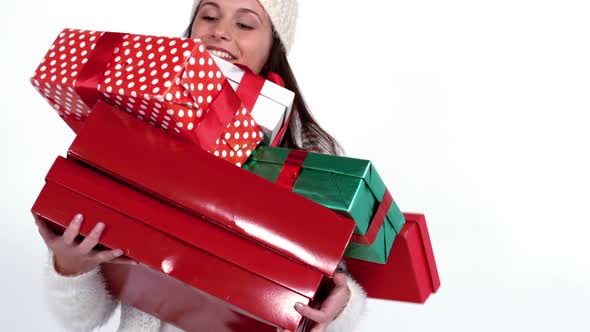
(161, 126)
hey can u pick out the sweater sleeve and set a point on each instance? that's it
(79, 303)
(351, 315)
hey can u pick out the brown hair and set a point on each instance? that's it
(302, 127)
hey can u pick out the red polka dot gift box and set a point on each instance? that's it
(171, 83)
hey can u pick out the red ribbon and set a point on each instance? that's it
(221, 112)
(249, 90)
(275, 78)
(281, 132)
(93, 71)
(291, 169)
(376, 223)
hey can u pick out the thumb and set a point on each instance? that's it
(340, 279)
(124, 260)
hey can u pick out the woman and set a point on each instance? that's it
(254, 33)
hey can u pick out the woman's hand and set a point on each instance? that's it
(330, 308)
(72, 258)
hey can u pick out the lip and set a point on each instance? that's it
(221, 49)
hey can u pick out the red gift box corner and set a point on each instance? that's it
(410, 274)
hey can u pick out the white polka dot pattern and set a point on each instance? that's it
(56, 75)
(167, 82)
(238, 142)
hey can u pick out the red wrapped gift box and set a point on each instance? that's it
(195, 274)
(194, 220)
(187, 177)
(171, 83)
(410, 273)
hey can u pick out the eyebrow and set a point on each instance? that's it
(203, 4)
(241, 10)
(247, 10)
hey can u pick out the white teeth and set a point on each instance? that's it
(221, 54)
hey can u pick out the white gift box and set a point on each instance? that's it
(273, 105)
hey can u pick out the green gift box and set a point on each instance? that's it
(348, 186)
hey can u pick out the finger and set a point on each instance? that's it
(335, 302)
(124, 260)
(341, 285)
(340, 280)
(311, 313)
(73, 229)
(108, 256)
(92, 239)
(46, 233)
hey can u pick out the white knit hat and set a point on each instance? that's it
(282, 13)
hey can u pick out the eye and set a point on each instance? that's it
(245, 26)
(209, 18)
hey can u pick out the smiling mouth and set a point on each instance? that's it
(222, 54)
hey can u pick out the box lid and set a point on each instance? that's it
(187, 177)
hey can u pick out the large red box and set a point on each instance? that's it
(410, 273)
(241, 250)
(193, 273)
(190, 179)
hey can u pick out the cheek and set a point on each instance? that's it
(256, 52)
(198, 31)
(254, 58)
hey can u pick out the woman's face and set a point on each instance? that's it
(239, 31)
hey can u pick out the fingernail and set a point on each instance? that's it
(118, 253)
(78, 218)
(298, 305)
(100, 226)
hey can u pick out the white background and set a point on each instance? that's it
(474, 112)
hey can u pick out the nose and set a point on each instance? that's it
(220, 31)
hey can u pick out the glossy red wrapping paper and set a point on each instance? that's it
(193, 274)
(191, 179)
